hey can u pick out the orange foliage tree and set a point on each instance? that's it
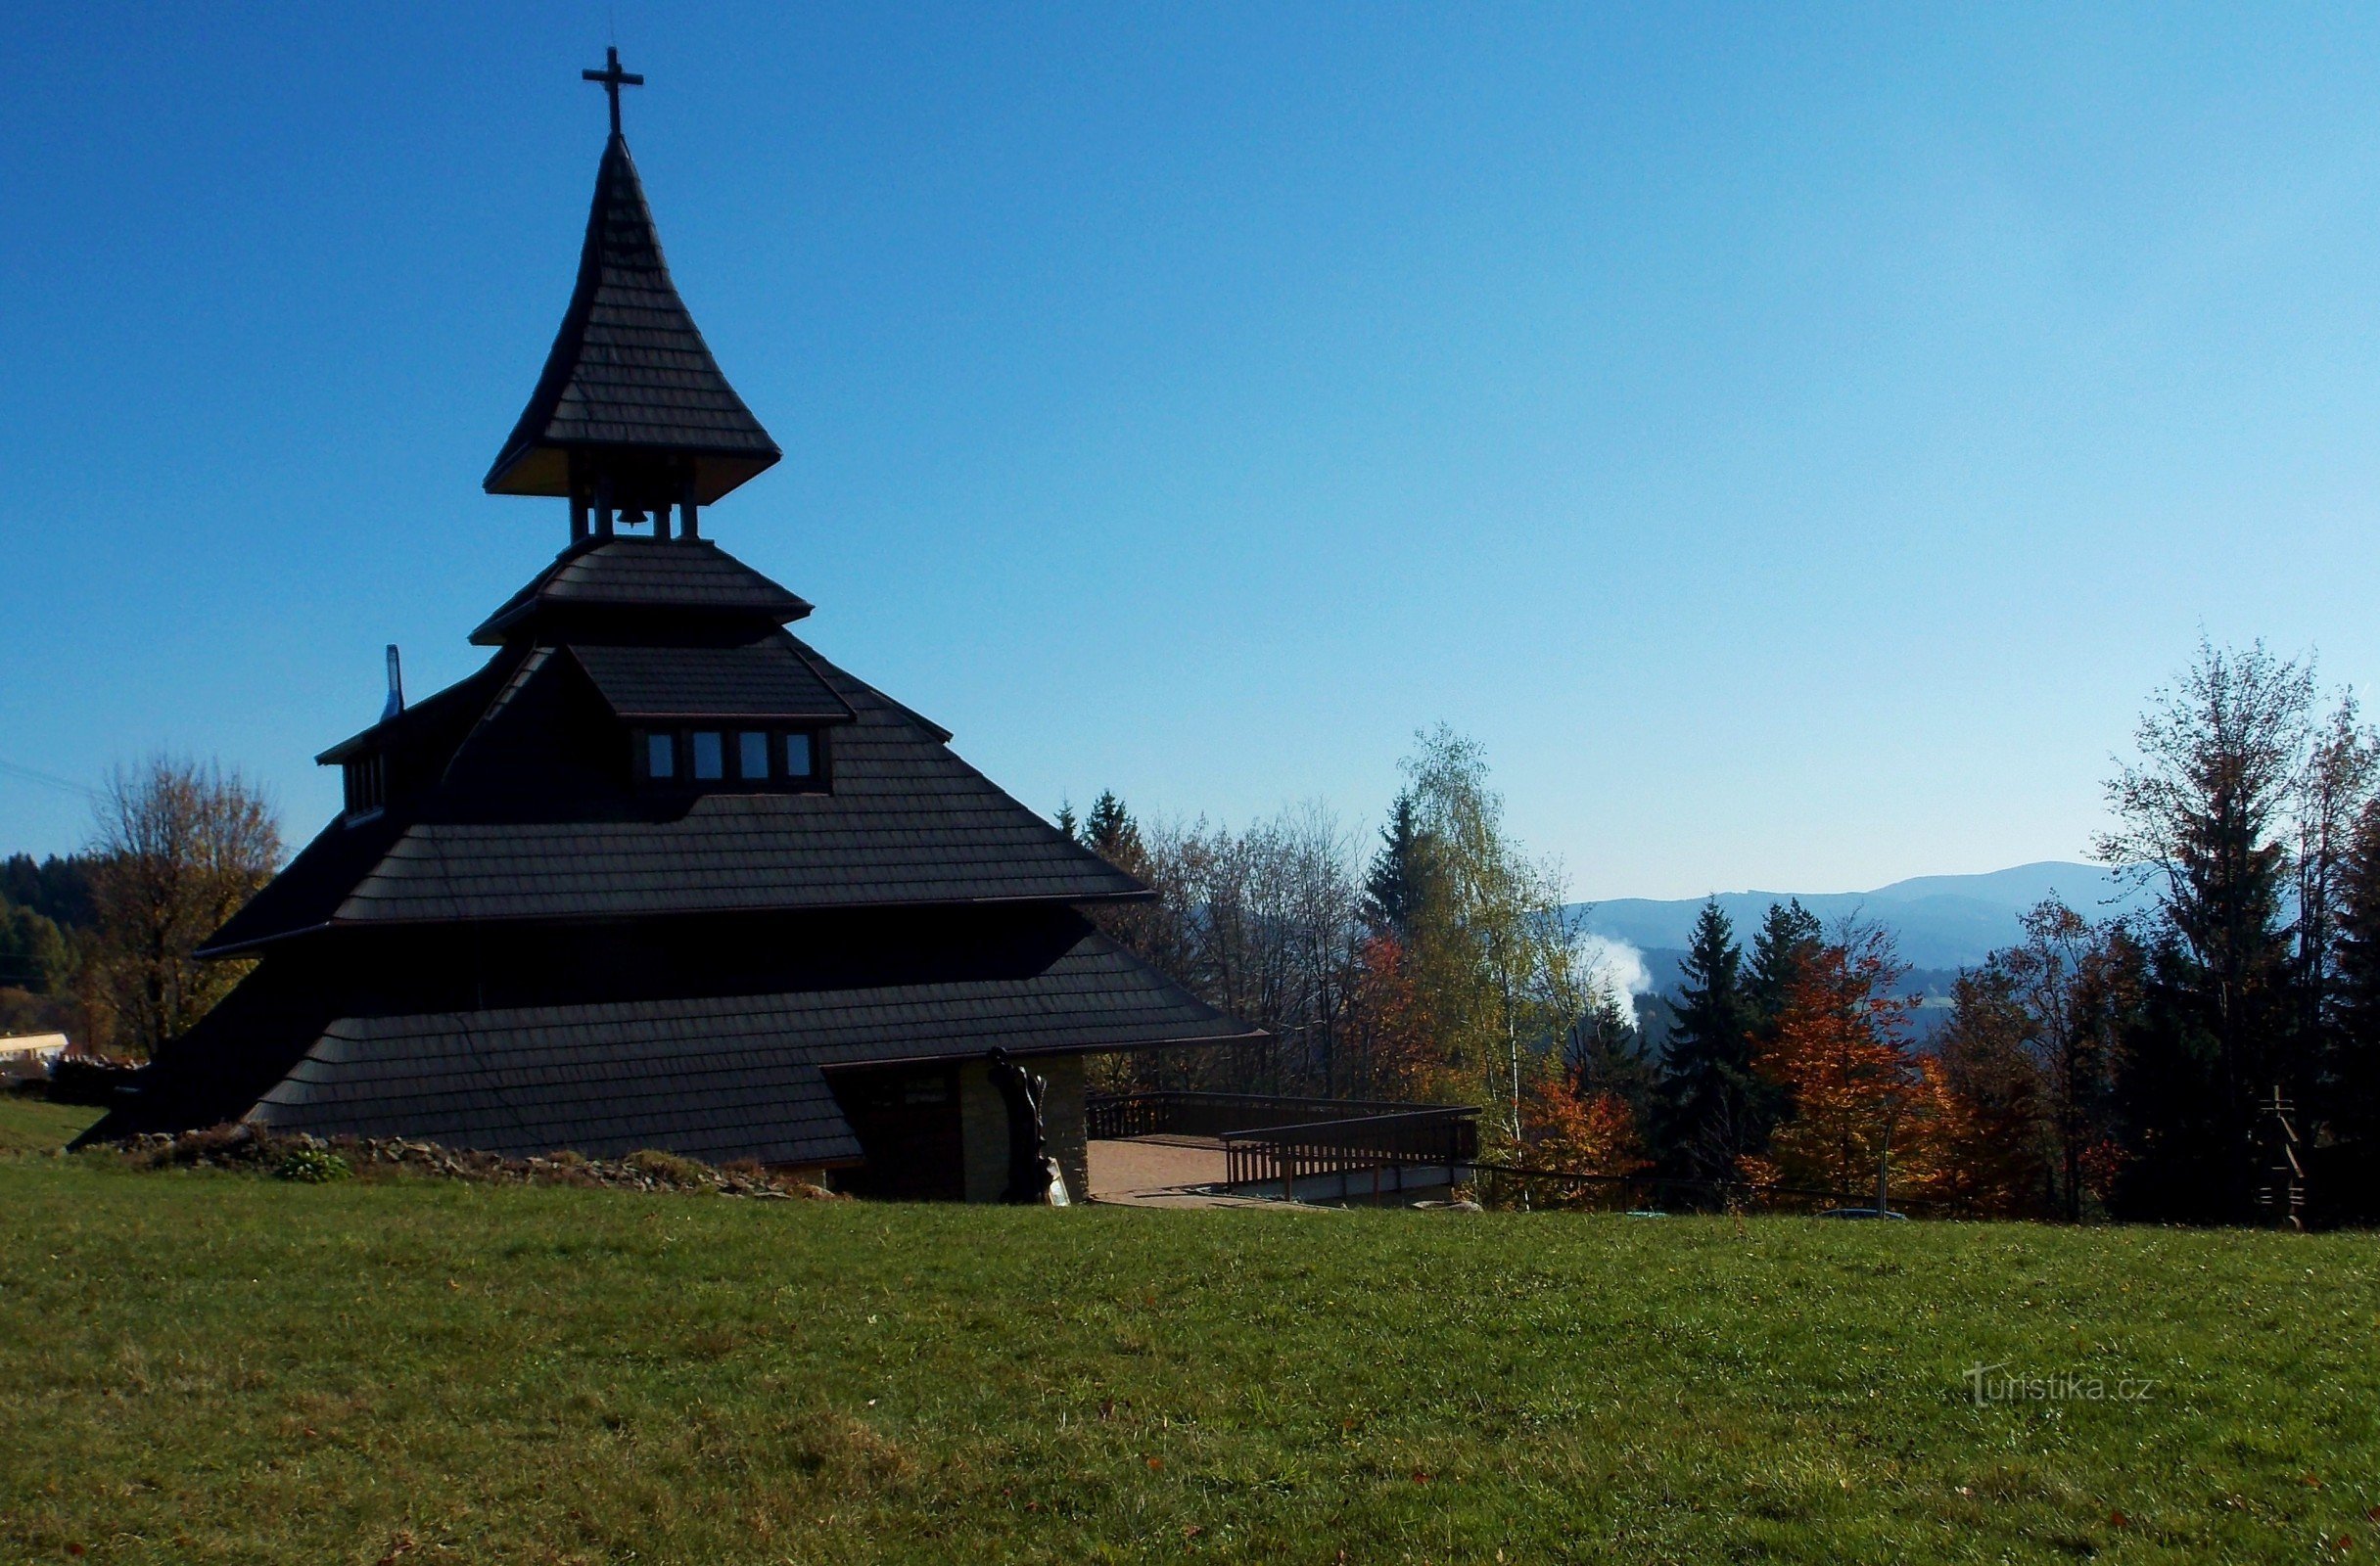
(1841, 1054)
(1394, 1058)
(1986, 1136)
(1571, 1127)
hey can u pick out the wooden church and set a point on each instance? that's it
(658, 875)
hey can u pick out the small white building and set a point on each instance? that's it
(24, 1056)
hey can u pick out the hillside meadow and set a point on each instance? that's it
(221, 1366)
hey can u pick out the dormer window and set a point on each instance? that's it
(367, 786)
(744, 761)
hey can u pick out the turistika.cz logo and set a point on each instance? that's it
(1997, 1383)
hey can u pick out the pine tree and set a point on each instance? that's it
(2205, 814)
(1394, 886)
(2354, 1075)
(1706, 1111)
(1788, 936)
(1110, 832)
(1067, 822)
(1141, 928)
(1606, 1054)
(1789, 940)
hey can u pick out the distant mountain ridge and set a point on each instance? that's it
(1941, 921)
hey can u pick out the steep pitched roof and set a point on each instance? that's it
(627, 581)
(630, 372)
(715, 1077)
(709, 1075)
(761, 679)
(906, 823)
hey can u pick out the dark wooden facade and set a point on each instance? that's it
(659, 874)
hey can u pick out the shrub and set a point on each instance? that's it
(668, 1168)
(313, 1166)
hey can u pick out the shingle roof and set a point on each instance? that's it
(762, 680)
(512, 835)
(630, 371)
(715, 1076)
(622, 582)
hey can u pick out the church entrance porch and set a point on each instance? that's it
(939, 1130)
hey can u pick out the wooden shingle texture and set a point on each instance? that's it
(716, 1078)
(629, 369)
(767, 679)
(634, 581)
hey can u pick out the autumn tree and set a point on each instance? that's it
(1494, 953)
(1989, 1151)
(2074, 987)
(1574, 1128)
(1841, 1052)
(1391, 1056)
(1447, 969)
(179, 848)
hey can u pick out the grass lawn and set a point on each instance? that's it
(214, 1366)
(35, 1125)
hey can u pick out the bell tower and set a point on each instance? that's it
(631, 420)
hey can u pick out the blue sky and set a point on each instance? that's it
(1792, 441)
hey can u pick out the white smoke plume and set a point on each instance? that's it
(1620, 966)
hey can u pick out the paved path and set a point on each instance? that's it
(1163, 1172)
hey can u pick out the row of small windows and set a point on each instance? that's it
(766, 756)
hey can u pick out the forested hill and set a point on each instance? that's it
(1942, 921)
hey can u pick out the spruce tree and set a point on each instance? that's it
(1705, 1112)
(1110, 832)
(2205, 817)
(1393, 888)
(1606, 1054)
(1789, 935)
(2353, 1078)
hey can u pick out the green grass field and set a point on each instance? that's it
(214, 1366)
(31, 1124)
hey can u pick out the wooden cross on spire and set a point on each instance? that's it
(613, 79)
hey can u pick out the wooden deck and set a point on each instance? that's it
(1162, 1172)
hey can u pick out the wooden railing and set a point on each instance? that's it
(1436, 1136)
(1109, 1117)
(1276, 1141)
